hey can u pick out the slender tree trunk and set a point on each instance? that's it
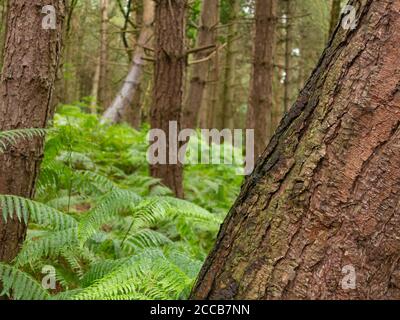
(214, 89)
(95, 87)
(206, 37)
(230, 67)
(319, 217)
(30, 65)
(103, 83)
(288, 55)
(259, 114)
(335, 13)
(168, 83)
(123, 100)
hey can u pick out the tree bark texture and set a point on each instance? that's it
(30, 64)
(170, 67)
(325, 195)
(259, 113)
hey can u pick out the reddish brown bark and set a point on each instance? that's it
(326, 193)
(30, 64)
(168, 83)
(260, 102)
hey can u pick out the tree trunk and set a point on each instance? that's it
(103, 84)
(95, 87)
(123, 100)
(206, 37)
(287, 99)
(30, 65)
(230, 67)
(3, 29)
(335, 13)
(259, 115)
(168, 83)
(319, 217)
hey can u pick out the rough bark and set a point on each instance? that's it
(123, 101)
(170, 55)
(259, 117)
(206, 37)
(3, 29)
(326, 193)
(30, 65)
(335, 13)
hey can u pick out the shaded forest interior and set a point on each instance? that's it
(85, 212)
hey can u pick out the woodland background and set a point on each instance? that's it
(99, 222)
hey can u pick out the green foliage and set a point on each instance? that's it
(23, 286)
(11, 137)
(109, 230)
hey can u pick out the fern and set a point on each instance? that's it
(50, 245)
(39, 213)
(110, 205)
(19, 285)
(109, 229)
(11, 137)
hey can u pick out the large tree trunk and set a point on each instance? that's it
(30, 64)
(259, 116)
(322, 209)
(123, 101)
(206, 37)
(168, 83)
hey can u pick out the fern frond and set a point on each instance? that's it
(12, 137)
(145, 238)
(114, 202)
(19, 285)
(37, 212)
(50, 245)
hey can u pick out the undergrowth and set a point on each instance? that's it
(101, 225)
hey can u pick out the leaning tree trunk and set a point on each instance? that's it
(206, 37)
(123, 101)
(259, 113)
(319, 217)
(168, 84)
(29, 71)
